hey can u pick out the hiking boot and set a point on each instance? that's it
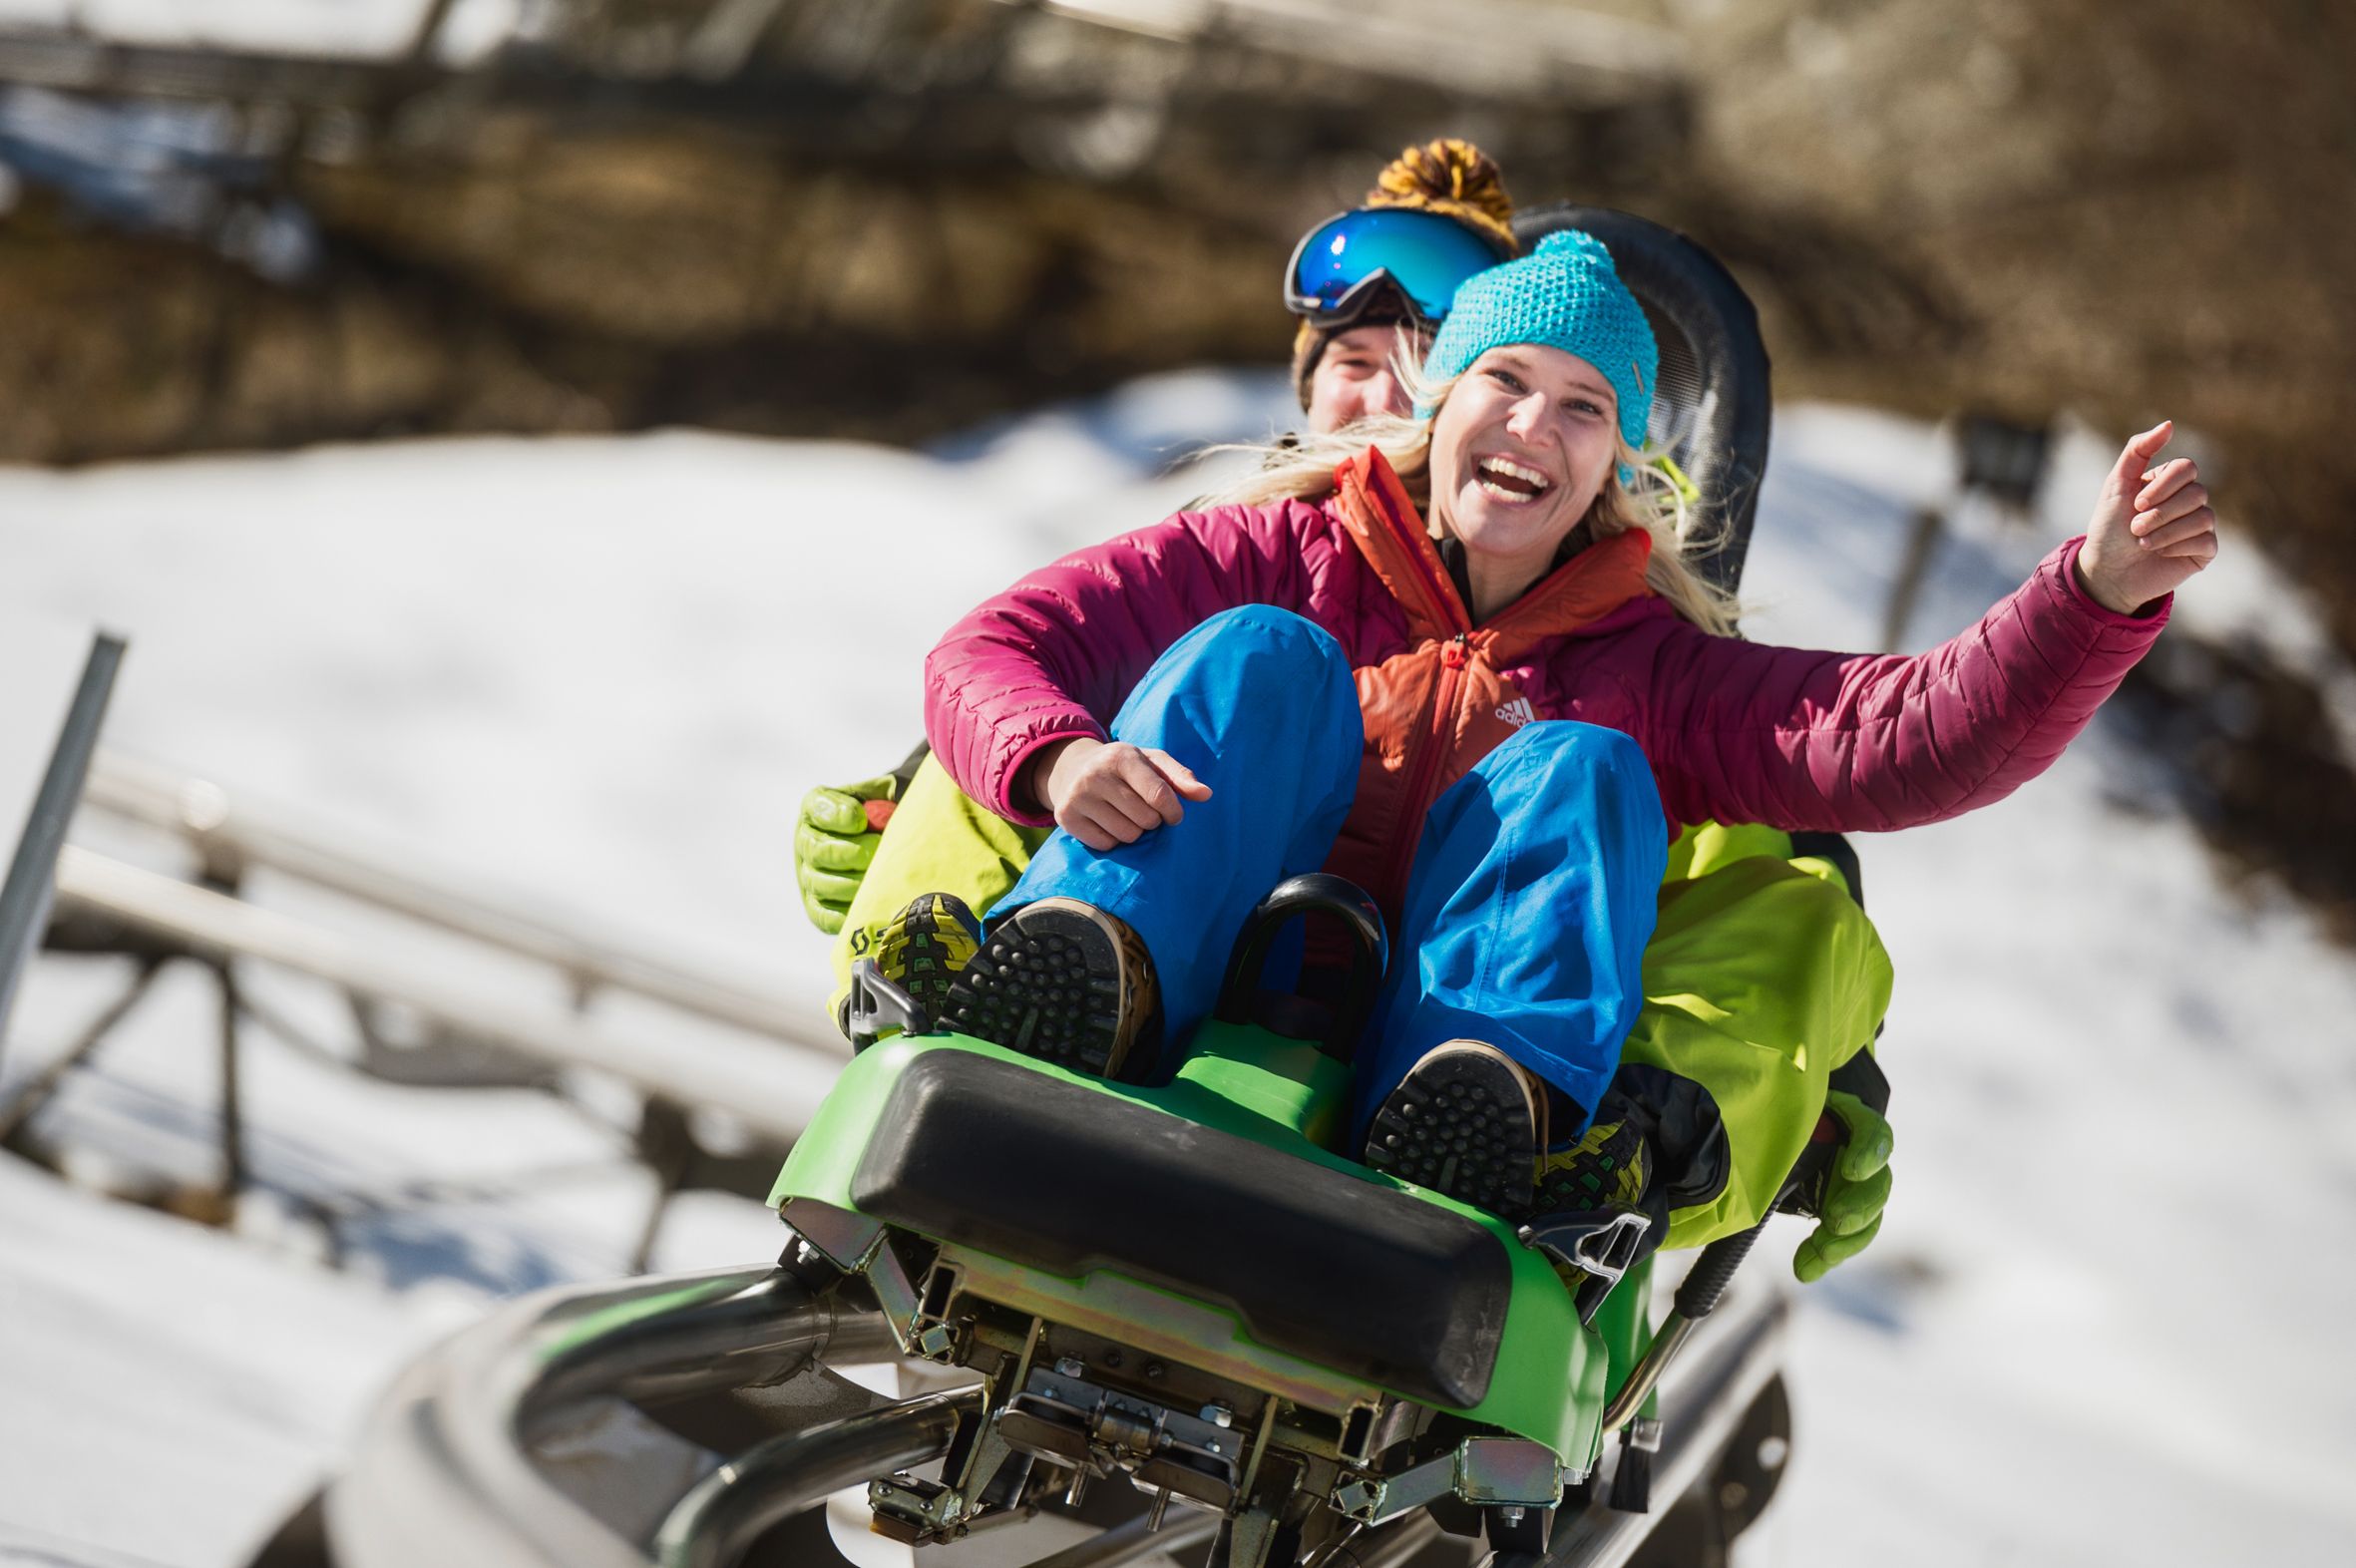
(926, 946)
(1466, 1121)
(1611, 1163)
(1066, 983)
(1614, 1170)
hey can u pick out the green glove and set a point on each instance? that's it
(835, 842)
(1856, 1188)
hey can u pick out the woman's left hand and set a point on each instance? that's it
(2151, 527)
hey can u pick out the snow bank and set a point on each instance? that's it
(362, 28)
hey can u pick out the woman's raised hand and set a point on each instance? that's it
(2151, 527)
(1107, 794)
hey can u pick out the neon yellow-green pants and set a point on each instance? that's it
(1762, 977)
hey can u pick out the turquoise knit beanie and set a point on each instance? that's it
(1565, 294)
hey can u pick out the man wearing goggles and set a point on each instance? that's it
(1361, 280)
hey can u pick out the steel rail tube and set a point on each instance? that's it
(1134, 1541)
(716, 1523)
(203, 813)
(1391, 1546)
(443, 1471)
(700, 1336)
(773, 1091)
(1732, 1355)
(1675, 1329)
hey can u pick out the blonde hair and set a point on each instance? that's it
(1302, 468)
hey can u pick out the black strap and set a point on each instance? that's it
(906, 773)
(1835, 847)
(1863, 1076)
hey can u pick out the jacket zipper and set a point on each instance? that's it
(1446, 612)
(1447, 609)
(1454, 655)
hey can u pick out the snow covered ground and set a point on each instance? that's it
(2103, 1321)
(364, 28)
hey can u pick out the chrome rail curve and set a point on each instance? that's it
(445, 1469)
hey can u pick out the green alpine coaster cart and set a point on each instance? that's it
(1128, 1322)
(1185, 1287)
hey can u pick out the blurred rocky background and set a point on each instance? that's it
(892, 218)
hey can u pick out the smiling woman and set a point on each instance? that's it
(1531, 410)
(1520, 451)
(1544, 376)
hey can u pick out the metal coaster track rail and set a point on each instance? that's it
(422, 1021)
(444, 1472)
(234, 836)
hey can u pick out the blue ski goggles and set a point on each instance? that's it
(1340, 264)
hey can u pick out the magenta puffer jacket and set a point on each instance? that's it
(1736, 731)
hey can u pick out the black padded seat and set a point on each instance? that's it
(1353, 1276)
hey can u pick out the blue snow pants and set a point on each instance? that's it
(1534, 885)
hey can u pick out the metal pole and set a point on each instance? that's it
(1132, 1542)
(442, 1472)
(716, 1523)
(233, 1102)
(24, 898)
(773, 1091)
(209, 818)
(1704, 1397)
(1922, 542)
(29, 1099)
(1395, 1545)
(726, 37)
(1675, 1330)
(429, 28)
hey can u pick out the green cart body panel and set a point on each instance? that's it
(1550, 1374)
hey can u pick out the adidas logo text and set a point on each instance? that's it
(1517, 712)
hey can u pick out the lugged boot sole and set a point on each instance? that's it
(1061, 983)
(1461, 1124)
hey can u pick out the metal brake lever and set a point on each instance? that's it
(1600, 1244)
(876, 1008)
